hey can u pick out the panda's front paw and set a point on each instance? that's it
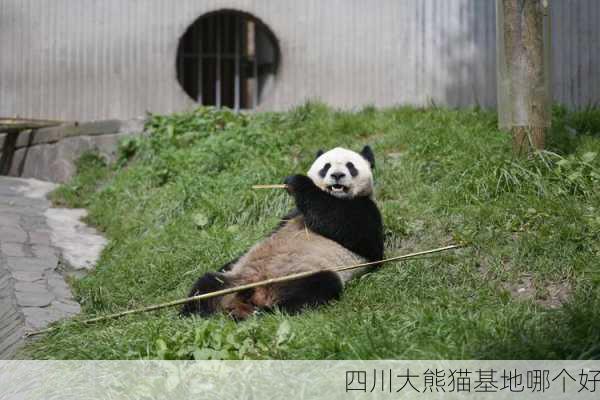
(298, 183)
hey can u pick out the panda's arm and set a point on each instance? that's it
(354, 223)
(306, 193)
(229, 265)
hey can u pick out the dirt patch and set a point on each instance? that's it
(548, 294)
(556, 294)
(523, 289)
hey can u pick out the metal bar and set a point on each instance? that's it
(224, 56)
(180, 70)
(255, 67)
(218, 76)
(237, 63)
(198, 34)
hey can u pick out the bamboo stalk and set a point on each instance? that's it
(270, 281)
(269, 186)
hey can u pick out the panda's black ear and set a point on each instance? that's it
(319, 153)
(368, 155)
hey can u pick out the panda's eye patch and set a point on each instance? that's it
(352, 169)
(324, 170)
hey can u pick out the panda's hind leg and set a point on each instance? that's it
(312, 291)
(209, 282)
(291, 297)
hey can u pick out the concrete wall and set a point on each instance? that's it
(89, 59)
(50, 153)
(2, 138)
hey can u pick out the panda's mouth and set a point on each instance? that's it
(337, 188)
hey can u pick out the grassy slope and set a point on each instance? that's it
(184, 205)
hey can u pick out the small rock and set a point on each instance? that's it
(59, 287)
(28, 276)
(43, 251)
(37, 287)
(68, 307)
(39, 318)
(34, 299)
(12, 249)
(31, 264)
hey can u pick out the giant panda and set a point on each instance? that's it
(335, 223)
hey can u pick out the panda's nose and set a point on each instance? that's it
(338, 175)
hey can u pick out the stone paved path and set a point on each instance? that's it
(33, 292)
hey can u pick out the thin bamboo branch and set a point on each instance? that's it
(269, 186)
(240, 288)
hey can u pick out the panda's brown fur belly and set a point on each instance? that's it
(291, 249)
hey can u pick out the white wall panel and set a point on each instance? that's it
(90, 59)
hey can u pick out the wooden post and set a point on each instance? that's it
(8, 151)
(13, 127)
(523, 66)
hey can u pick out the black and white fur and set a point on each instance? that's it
(336, 222)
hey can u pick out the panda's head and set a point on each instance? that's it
(344, 173)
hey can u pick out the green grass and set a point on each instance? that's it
(179, 203)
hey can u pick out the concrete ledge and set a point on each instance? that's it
(56, 133)
(55, 162)
(50, 153)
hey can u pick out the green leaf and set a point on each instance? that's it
(200, 220)
(283, 332)
(233, 229)
(589, 156)
(161, 348)
(170, 131)
(161, 345)
(574, 176)
(206, 354)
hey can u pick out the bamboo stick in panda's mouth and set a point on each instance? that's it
(280, 186)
